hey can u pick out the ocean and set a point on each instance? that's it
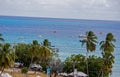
(62, 33)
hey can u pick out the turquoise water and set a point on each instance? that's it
(62, 33)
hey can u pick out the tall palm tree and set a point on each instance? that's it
(45, 50)
(107, 48)
(33, 50)
(6, 56)
(44, 53)
(90, 41)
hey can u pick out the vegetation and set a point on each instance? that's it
(22, 53)
(33, 50)
(107, 48)
(75, 61)
(6, 57)
(24, 70)
(95, 64)
(90, 40)
(44, 55)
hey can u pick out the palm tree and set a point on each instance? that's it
(107, 48)
(45, 53)
(46, 43)
(90, 40)
(33, 50)
(45, 50)
(107, 45)
(6, 57)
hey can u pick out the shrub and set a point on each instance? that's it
(24, 70)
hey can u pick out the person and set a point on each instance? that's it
(48, 71)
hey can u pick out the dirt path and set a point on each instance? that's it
(17, 73)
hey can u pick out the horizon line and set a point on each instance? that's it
(37, 17)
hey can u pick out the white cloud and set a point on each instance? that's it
(87, 9)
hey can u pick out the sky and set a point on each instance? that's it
(75, 9)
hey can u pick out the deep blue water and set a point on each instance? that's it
(62, 33)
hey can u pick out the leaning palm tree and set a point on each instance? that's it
(107, 48)
(90, 41)
(6, 57)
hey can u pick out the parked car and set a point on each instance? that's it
(36, 67)
(18, 64)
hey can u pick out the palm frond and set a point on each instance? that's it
(83, 42)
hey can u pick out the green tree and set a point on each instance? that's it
(95, 65)
(22, 53)
(33, 50)
(46, 43)
(44, 53)
(6, 56)
(90, 40)
(107, 48)
(74, 61)
(24, 70)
